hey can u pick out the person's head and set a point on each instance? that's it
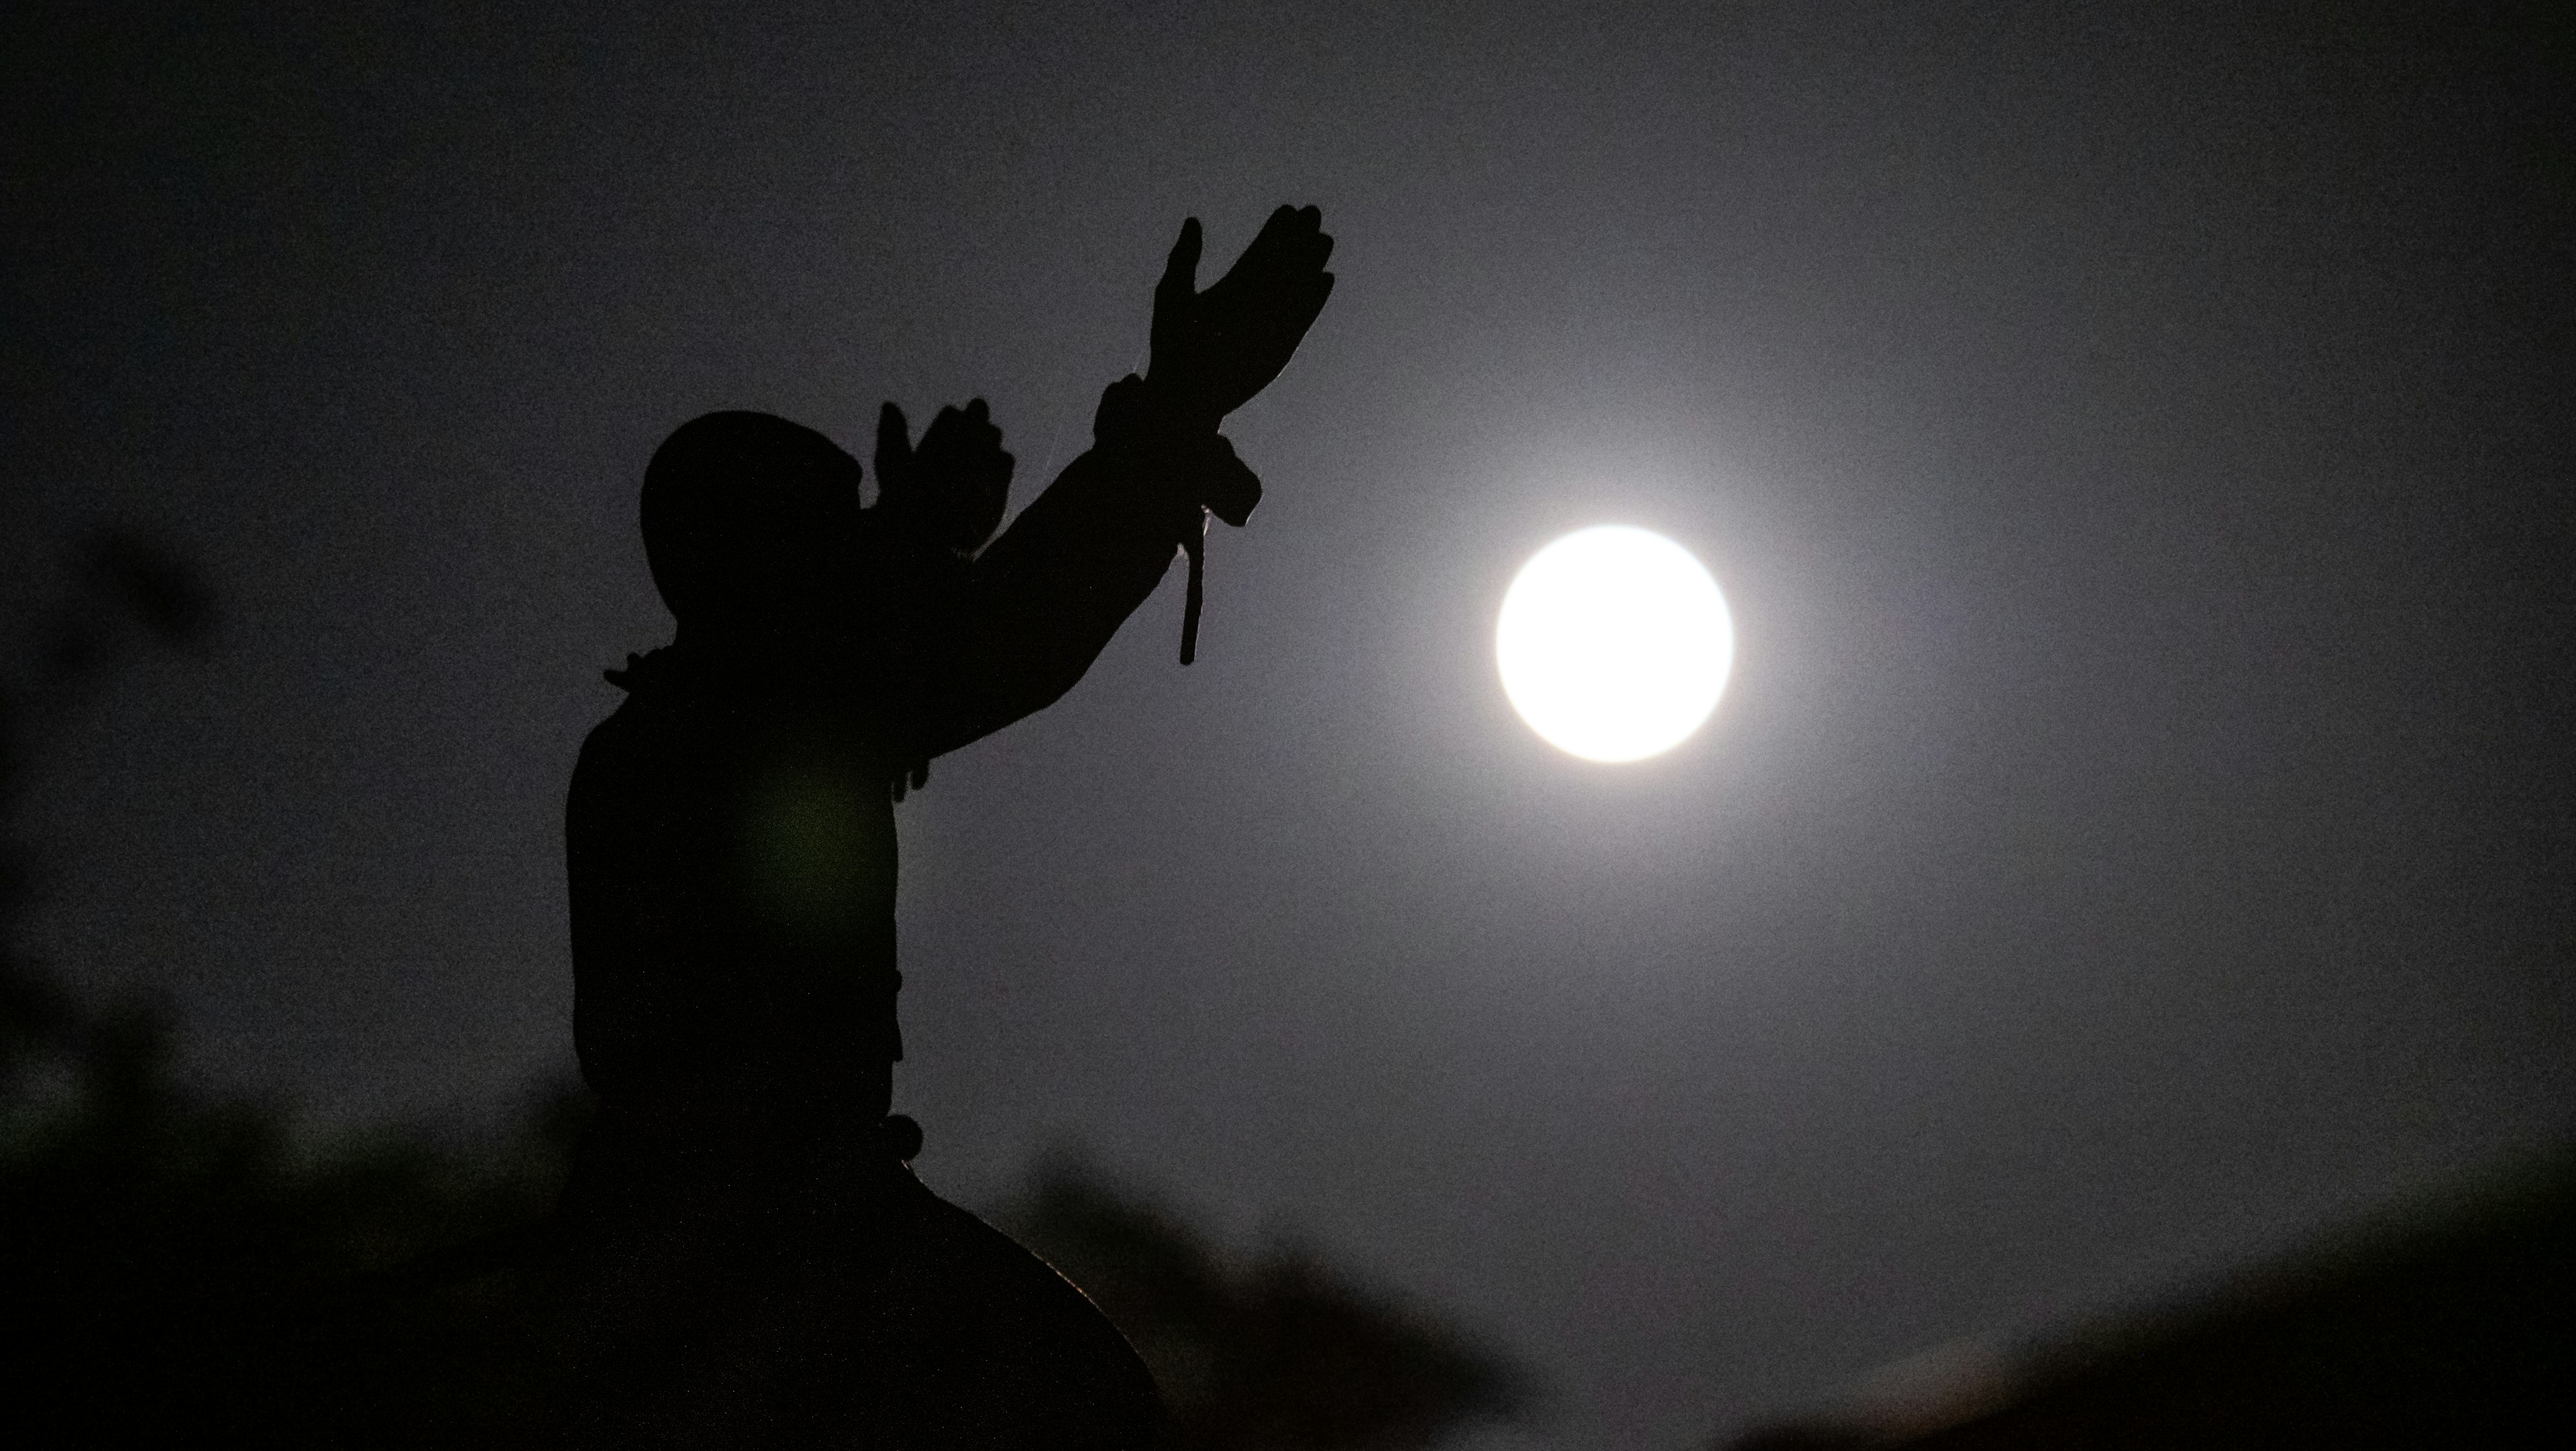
(751, 525)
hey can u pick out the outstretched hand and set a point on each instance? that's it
(1214, 350)
(952, 489)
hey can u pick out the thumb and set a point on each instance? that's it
(1181, 274)
(894, 452)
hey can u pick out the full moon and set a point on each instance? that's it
(1614, 643)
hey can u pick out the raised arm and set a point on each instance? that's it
(1040, 603)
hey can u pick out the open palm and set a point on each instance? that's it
(951, 490)
(1214, 350)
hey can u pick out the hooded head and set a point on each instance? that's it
(751, 525)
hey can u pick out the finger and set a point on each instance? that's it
(1297, 312)
(1278, 227)
(894, 449)
(1275, 244)
(1304, 244)
(1302, 225)
(978, 412)
(1291, 248)
(1181, 272)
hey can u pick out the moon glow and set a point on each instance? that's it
(1614, 643)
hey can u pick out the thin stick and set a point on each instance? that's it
(1196, 547)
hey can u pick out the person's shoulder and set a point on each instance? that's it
(646, 720)
(640, 755)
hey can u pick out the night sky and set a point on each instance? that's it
(2139, 832)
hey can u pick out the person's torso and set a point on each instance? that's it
(732, 864)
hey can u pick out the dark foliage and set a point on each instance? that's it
(177, 1272)
(174, 1269)
(122, 583)
(1281, 1352)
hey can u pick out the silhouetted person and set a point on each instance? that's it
(757, 1265)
